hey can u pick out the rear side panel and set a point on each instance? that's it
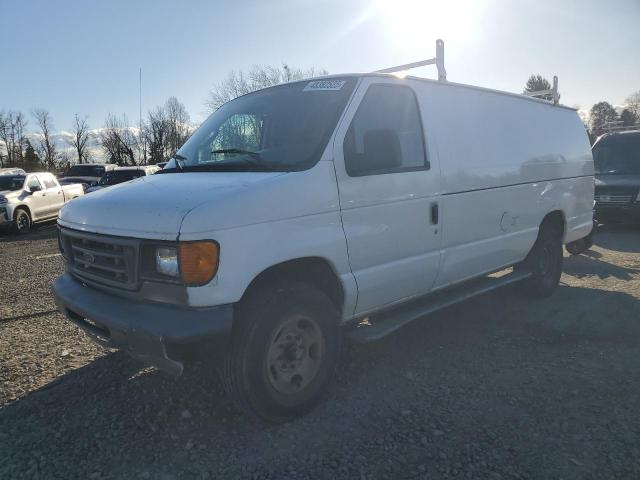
(505, 163)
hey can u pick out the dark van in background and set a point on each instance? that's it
(617, 165)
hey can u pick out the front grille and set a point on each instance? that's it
(101, 259)
(613, 199)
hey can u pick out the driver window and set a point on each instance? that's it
(32, 182)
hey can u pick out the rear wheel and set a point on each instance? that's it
(21, 221)
(284, 351)
(544, 261)
(581, 245)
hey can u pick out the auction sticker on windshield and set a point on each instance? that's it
(324, 85)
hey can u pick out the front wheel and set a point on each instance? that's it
(284, 351)
(544, 261)
(21, 221)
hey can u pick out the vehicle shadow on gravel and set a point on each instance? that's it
(435, 394)
(39, 231)
(586, 265)
(618, 237)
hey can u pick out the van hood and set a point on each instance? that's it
(154, 206)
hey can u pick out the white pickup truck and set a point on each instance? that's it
(345, 204)
(27, 198)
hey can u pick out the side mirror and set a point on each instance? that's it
(35, 188)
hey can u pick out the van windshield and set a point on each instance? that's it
(618, 154)
(283, 128)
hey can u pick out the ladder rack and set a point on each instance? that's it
(438, 61)
(553, 91)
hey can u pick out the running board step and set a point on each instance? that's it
(378, 326)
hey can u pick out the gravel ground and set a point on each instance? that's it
(498, 387)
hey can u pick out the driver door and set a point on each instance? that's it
(37, 200)
(388, 181)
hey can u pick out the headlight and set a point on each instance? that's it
(3, 200)
(195, 263)
(167, 261)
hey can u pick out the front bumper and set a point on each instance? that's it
(4, 216)
(628, 211)
(150, 331)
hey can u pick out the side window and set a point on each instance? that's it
(48, 181)
(33, 182)
(385, 134)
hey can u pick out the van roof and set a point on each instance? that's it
(438, 82)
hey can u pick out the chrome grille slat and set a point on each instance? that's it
(102, 259)
(92, 251)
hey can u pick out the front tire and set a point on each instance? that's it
(544, 261)
(284, 350)
(21, 221)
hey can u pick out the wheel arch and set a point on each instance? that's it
(555, 219)
(21, 207)
(315, 271)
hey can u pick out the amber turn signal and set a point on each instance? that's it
(198, 262)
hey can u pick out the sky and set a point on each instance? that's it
(83, 56)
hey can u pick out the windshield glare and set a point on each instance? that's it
(618, 155)
(11, 182)
(85, 171)
(119, 176)
(281, 128)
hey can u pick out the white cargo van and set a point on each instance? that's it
(298, 211)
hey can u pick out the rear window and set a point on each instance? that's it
(118, 176)
(618, 154)
(85, 171)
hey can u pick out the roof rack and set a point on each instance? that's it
(553, 91)
(438, 61)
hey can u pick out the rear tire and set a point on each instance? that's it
(544, 261)
(581, 245)
(284, 350)
(21, 221)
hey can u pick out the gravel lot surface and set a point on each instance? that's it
(499, 387)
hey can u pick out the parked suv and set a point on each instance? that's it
(121, 175)
(617, 163)
(86, 174)
(346, 204)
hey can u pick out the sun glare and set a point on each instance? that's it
(413, 25)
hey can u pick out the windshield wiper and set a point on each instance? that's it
(239, 151)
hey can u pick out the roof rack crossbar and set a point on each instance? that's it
(438, 61)
(553, 91)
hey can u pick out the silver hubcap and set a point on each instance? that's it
(295, 355)
(23, 221)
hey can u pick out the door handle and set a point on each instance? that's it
(434, 213)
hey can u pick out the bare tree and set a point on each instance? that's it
(80, 138)
(633, 103)
(155, 135)
(119, 141)
(178, 123)
(45, 147)
(259, 76)
(12, 133)
(166, 130)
